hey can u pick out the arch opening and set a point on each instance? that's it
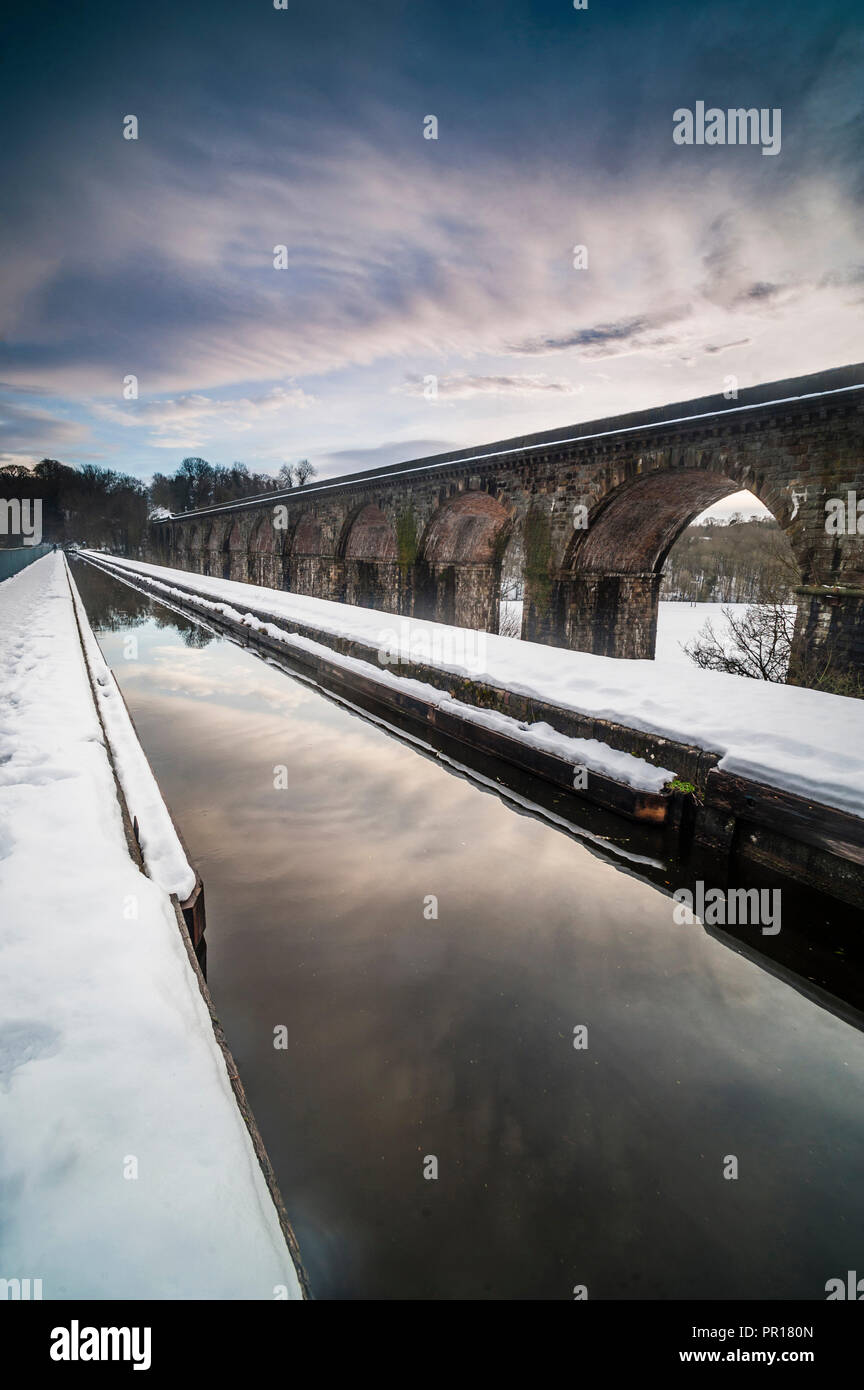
(511, 587)
(307, 535)
(188, 547)
(614, 570)
(210, 549)
(735, 553)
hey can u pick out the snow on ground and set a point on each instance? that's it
(679, 623)
(804, 741)
(107, 1054)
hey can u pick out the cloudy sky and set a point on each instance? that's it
(409, 258)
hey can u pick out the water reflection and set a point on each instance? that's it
(453, 1037)
(114, 606)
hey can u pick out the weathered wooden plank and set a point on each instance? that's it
(825, 827)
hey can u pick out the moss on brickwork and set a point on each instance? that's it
(537, 539)
(407, 536)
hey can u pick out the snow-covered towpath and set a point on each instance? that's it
(126, 1168)
(803, 741)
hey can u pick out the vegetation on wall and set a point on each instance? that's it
(407, 536)
(537, 540)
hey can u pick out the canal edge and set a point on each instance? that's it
(231, 1068)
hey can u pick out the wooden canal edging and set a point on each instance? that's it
(804, 839)
(732, 818)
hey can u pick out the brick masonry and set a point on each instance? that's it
(430, 540)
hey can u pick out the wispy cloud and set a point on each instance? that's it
(607, 339)
(20, 425)
(463, 387)
(712, 348)
(193, 419)
(406, 257)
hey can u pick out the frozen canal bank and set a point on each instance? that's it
(127, 1168)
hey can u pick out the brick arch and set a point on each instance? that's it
(265, 553)
(189, 551)
(613, 570)
(235, 559)
(460, 561)
(211, 549)
(307, 536)
(634, 526)
(369, 535)
(465, 530)
(368, 551)
(165, 538)
(162, 540)
(307, 567)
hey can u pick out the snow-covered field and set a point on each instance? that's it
(679, 623)
(801, 740)
(126, 1170)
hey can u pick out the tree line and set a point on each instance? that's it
(101, 507)
(741, 562)
(92, 505)
(198, 483)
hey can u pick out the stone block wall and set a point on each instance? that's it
(595, 510)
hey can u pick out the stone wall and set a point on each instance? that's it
(594, 509)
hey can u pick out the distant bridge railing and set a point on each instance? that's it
(13, 560)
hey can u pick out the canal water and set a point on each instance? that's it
(426, 951)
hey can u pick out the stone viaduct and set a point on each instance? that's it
(432, 537)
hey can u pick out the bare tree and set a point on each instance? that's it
(303, 471)
(510, 622)
(758, 644)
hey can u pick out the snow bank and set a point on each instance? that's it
(803, 741)
(127, 1170)
(160, 845)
